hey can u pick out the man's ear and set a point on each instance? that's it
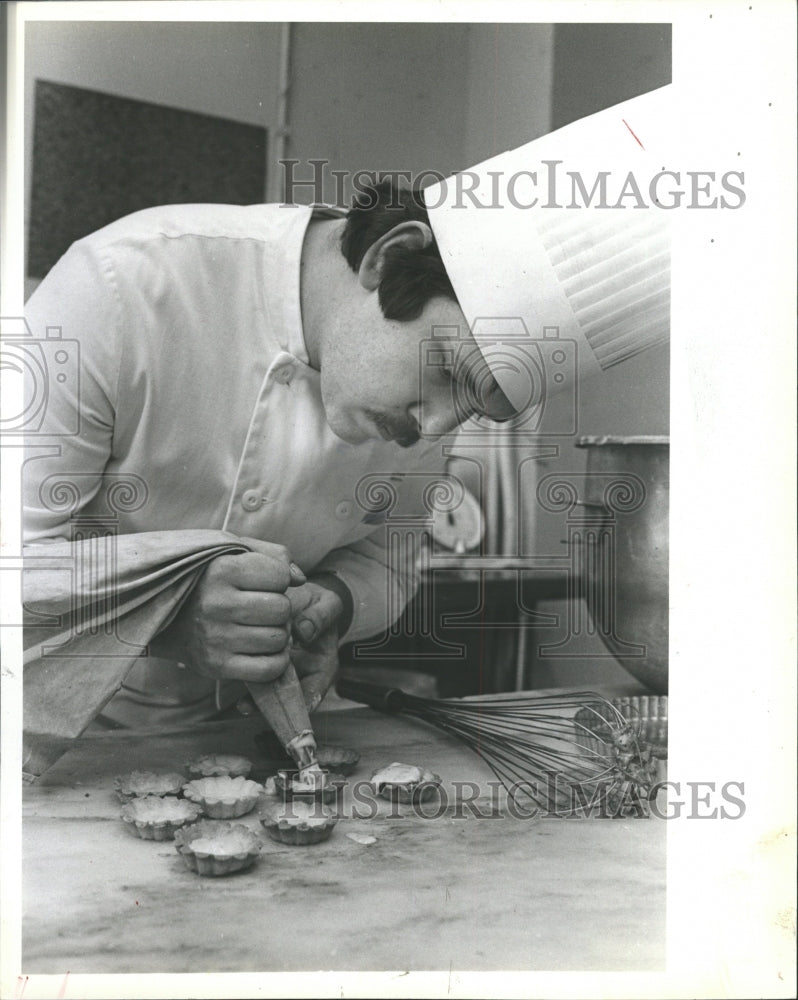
(412, 235)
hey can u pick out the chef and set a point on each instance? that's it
(243, 369)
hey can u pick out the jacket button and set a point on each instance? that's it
(251, 500)
(343, 510)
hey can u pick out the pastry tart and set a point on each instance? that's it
(299, 823)
(157, 817)
(224, 797)
(211, 847)
(137, 784)
(405, 783)
(212, 765)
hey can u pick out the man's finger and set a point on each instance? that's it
(252, 640)
(254, 669)
(256, 571)
(258, 608)
(279, 552)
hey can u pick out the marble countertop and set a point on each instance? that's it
(446, 890)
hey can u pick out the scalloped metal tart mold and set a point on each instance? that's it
(157, 817)
(224, 797)
(214, 847)
(299, 823)
(405, 783)
(214, 765)
(337, 760)
(137, 784)
(340, 760)
(292, 789)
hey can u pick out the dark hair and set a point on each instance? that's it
(409, 278)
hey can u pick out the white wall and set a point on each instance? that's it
(378, 97)
(509, 87)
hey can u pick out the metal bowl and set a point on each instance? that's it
(627, 489)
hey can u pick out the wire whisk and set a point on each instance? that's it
(567, 754)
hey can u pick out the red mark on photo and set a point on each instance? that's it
(62, 991)
(639, 143)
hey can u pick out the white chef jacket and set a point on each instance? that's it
(195, 396)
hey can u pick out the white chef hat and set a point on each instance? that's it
(564, 238)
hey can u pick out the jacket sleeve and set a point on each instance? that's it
(73, 319)
(383, 570)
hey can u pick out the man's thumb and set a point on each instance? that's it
(311, 622)
(316, 618)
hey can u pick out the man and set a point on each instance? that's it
(246, 369)
(250, 366)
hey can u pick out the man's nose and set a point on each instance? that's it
(439, 417)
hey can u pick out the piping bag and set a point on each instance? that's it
(70, 673)
(282, 704)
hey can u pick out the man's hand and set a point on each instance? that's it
(316, 666)
(316, 611)
(315, 608)
(236, 623)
